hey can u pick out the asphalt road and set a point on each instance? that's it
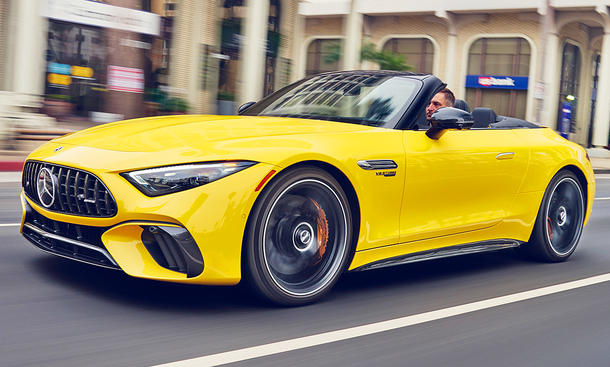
(56, 312)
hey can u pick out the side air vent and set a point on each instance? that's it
(375, 164)
(173, 248)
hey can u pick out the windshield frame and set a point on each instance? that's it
(257, 108)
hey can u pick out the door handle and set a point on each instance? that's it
(506, 155)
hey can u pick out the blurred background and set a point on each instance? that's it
(71, 64)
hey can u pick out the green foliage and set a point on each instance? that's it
(333, 53)
(59, 97)
(387, 60)
(154, 95)
(225, 96)
(274, 40)
(174, 104)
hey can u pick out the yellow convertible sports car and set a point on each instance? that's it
(337, 172)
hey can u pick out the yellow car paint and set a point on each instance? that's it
(444, 192)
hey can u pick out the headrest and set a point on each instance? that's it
(483, 117)
(462, 105)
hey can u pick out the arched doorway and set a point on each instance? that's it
(569, 84)
(594, 86)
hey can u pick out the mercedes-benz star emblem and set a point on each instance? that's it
(46, 185)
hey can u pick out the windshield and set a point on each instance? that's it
(370, 99)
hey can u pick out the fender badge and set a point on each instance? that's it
(58, 149)
(386, 173)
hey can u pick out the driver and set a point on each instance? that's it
(444, 98)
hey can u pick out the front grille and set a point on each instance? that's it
(77, 242)
(77, 193)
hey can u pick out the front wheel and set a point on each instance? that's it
(299, 237)
(560, 219)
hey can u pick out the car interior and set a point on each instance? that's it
(486, 118)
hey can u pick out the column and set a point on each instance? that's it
(299, 54)
(353, 38)
(450, 78)
(28, 47)
(127, 104)
(4, 6)
(252, 52)
(601, 123)
(194, 81)
(548, 116)
(450, 67)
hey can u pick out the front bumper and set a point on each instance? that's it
(167, 238)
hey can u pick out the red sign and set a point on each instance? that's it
(124, 79)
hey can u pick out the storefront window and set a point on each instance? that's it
(106, 73)
(323, 55)
(76, 66)
(498, 70)
(418, 52)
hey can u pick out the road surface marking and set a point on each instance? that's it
(601, 199)
(378, 327)
(10, 224)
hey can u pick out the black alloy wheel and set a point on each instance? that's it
(560, 219)
(299, 237)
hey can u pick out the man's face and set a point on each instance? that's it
(437, 102)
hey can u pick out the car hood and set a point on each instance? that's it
(195, 132)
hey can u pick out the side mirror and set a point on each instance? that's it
(448, 118)
(244, 107)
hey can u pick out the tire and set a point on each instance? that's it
(560, 220)
(299, 237)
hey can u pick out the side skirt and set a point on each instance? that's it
(465, 249)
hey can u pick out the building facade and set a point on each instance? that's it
(232, 51)
(105, 60)
(544, 61)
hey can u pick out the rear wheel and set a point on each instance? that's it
(299, 237)
(560, 219)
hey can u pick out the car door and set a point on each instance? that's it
(464, 181)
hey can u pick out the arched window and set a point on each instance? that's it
(418, 52)
(323, 55)
(498, 70)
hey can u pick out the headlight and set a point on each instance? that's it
(167, 180)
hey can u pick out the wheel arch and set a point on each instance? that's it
(582, 179)
(338, 175)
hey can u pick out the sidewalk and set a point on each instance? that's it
(601, 165)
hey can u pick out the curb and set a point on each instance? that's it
(11, 166)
